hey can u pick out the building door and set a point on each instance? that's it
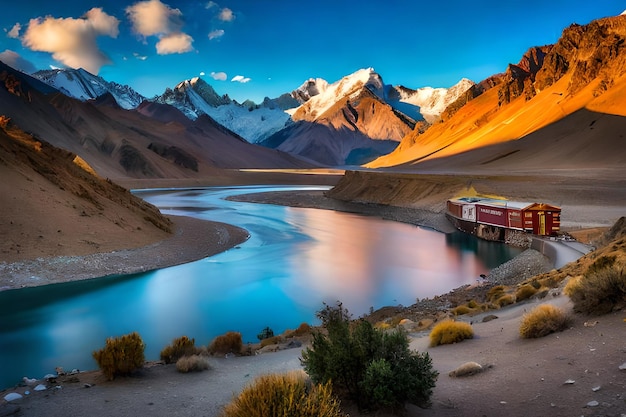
(542, 223)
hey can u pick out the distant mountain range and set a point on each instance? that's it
(497, 123)
(272, 123)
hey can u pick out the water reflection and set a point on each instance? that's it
(295, 260)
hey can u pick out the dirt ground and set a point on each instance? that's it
(524, 377)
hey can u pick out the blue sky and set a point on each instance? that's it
(252, 49)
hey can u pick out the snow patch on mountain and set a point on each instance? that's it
(82, 85)
(253, 122)
(433, 101)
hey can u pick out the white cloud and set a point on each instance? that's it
(176, 43)
(15, 31)
(240, 79)
(226, 15)
(219, 76)
(210, 5)
(14, 60)
(153, 18)
(202, 74)
(73, 41)
(140, 57)
(214, 34)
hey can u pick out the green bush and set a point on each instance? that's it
(121, 355)
(450, 331)
(229, 342)
(182, 346)
(192, 363)
(600, 290)
(372, 367)
(543, 320)
(265, 334)
(285, 395)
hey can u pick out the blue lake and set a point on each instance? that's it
(295, 260)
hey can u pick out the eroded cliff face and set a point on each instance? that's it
(592, 51)
(586, 67)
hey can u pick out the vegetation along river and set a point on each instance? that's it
(295, 260)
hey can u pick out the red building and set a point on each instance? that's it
(493, 219)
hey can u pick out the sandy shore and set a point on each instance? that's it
(192, 239)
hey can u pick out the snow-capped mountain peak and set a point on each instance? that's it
(195, 97)
(83, 86)
(331, 93)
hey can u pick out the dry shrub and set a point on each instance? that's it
(495, 293)
(121, 355)
(284, 395)
(525, 292)
(461, 310)
(450, 331)
(271, 341)
(600, 291)
(193, 363)
(302, 330)
(229, 342)
(505, 300)
(543, 320)
(182, 346)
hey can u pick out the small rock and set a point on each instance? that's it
(467, 369)
(596, 389)
(40, 387)
(29, 381)
(50, 377)
(12, 396)
(593, 403)
(87, 385)
(622, 367)
(569, 382)
(489, 318)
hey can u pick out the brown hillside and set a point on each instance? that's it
(52, 205)
(585, 69)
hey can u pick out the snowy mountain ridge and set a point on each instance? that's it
(253, 122)
(433, 101)
(84, 86)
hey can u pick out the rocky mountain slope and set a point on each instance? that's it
(117, 143)
(52, 200)
(585, 69)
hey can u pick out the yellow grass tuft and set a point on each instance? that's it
(543, 320)
(450, 331)
(283, 395)
(525, 292)
(193, 363)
